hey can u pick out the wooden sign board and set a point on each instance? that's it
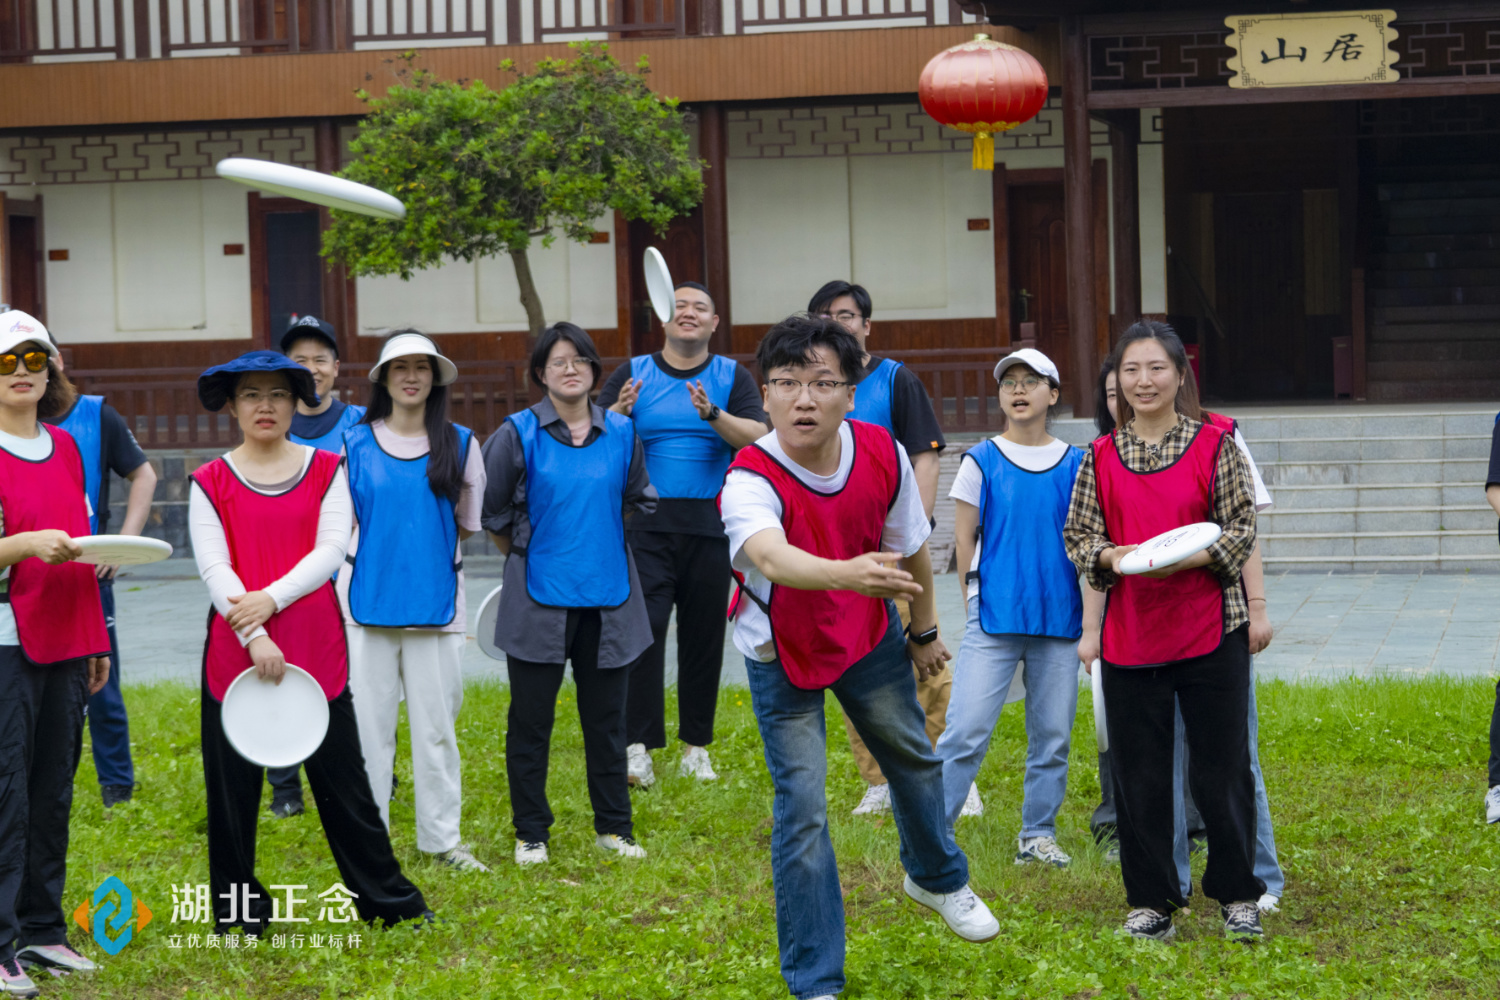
(1311, 49)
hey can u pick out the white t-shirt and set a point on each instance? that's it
(34, 449)
(1262, 495)
(968, 485)
(749, 505)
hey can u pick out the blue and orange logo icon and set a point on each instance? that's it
(113, 908)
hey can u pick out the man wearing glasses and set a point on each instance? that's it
(891, 396)
(693, 410)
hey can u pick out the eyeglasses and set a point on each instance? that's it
(1026, 384)
(790, 388)
(846, 317)
(35, 361)
(255, 397)
(564, 364)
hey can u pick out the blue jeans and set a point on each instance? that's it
(981, 680)
(879, 694)
(1267, 868)
(109, 729)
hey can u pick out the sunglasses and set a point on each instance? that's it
(35, 361)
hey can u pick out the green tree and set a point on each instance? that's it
(484, 172)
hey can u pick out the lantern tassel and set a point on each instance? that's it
(984, 151)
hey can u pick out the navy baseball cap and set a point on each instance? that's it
(310, 326)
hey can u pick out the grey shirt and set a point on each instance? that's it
(524, 628)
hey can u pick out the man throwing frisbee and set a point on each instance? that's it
(818, 513)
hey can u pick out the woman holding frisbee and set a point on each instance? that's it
(269, 522)
(561, 478)
(1011, 498)
(1176, 636)
(417, 481)
(54, 651)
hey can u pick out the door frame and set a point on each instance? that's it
(10, 206)
(260, 207)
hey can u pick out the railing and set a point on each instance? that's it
(630, 18)
(755, 14)
(61, 28)
(376, 21)
(233, 25)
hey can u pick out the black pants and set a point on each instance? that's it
(41, 736)
(285, 783)
(1102, 822)
(691, 571)
(359, 841)
(1214, 692)
(528, 737)
(1495, 741)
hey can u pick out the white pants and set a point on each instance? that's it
(429, 665)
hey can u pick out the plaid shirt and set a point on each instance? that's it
(1086, 536)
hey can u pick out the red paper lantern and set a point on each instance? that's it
(983, 87)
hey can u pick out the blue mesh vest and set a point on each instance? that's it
(575, 497)
(334, 440)
(872, 397)
(405, 572)
(84, 426)
(685, 456)
(1027, 585)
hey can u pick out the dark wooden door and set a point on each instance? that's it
(682, 248)
(1039, 270)
(286, 271)
(1259, 279)
(25, 286)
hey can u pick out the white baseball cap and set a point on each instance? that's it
(17, 327)
(1031, 358)
(403, 344)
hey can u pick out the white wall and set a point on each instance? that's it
(1153, 215)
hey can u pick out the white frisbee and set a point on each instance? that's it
(275, 725)
(484, 625)
(1170, 547)
(310, 185)
(121, 550)
(659, 284)
(1101, 731)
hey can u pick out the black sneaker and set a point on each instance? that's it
(1242, 921)
(113, 795)
(1149, 925)
(287, 808)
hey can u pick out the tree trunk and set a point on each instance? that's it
(536, 319)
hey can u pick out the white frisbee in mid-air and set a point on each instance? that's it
(484, 625)
(121, 550)
(311, 185)
(275, 725)
(1101, 731)
(1170, 547)
(659, 285)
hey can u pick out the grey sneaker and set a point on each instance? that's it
(1043, 849)
(638, 770)
(55, 956)
(1242, 921)
(1492, 805)
(14, 981)
(462, 859)
(1269, 903)
(287, 808)
(695, 764)
(622, 847)
(972, 805)
(531, 852)
(1149, 925)
(877, 799)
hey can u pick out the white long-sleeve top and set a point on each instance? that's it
(211, 546)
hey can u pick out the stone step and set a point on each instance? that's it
(1482, 294)
(1466, 517)
(1435, 277)
(1419, 223)
(1373, 471)
(1406, 390)
(1439, 208)
(1421, 190)
(1455, 332)
(1432, 563)
(1426, 351)
(1472, 312)
(1439, 242)
(1335, 545)
(1422, 260)
(1374, 495)
(1355, 449)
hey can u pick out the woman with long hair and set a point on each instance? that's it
(1176, 636)
(562, 476)
(54, 651)
(269, 522)
(417, 480)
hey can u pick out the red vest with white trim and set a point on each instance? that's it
(57, 609)
(819, 634)
(1148, 622)
(268, 536)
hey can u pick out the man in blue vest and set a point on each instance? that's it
(692, 410)
(107, 446)
(888, 394)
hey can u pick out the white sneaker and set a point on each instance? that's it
(963, 912)
(531, 852)
(462, 859)
(624, 847)
(1492, 805)
(638, 769)
(972, 805)
(695, 764)
(55, 956)
(1269, 903)
(877, 800)
(1043, 849)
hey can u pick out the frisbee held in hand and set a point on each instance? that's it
(275, 725)
(310, 185)
(1170, 548)
(121, 550)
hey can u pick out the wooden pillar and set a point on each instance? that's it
(1078, 206)
(1000, 222)
(713, 142)
(142, 12)
(1125, 139)
(710, 17)
(1099, 178)
(338, 289)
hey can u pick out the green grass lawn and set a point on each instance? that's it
(1376, 788)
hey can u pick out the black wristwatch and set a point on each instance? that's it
(713, 414)
(924, 638)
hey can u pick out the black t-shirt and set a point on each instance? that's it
(120, 452)
(316, 425)
(682, 515)
(912, 419)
